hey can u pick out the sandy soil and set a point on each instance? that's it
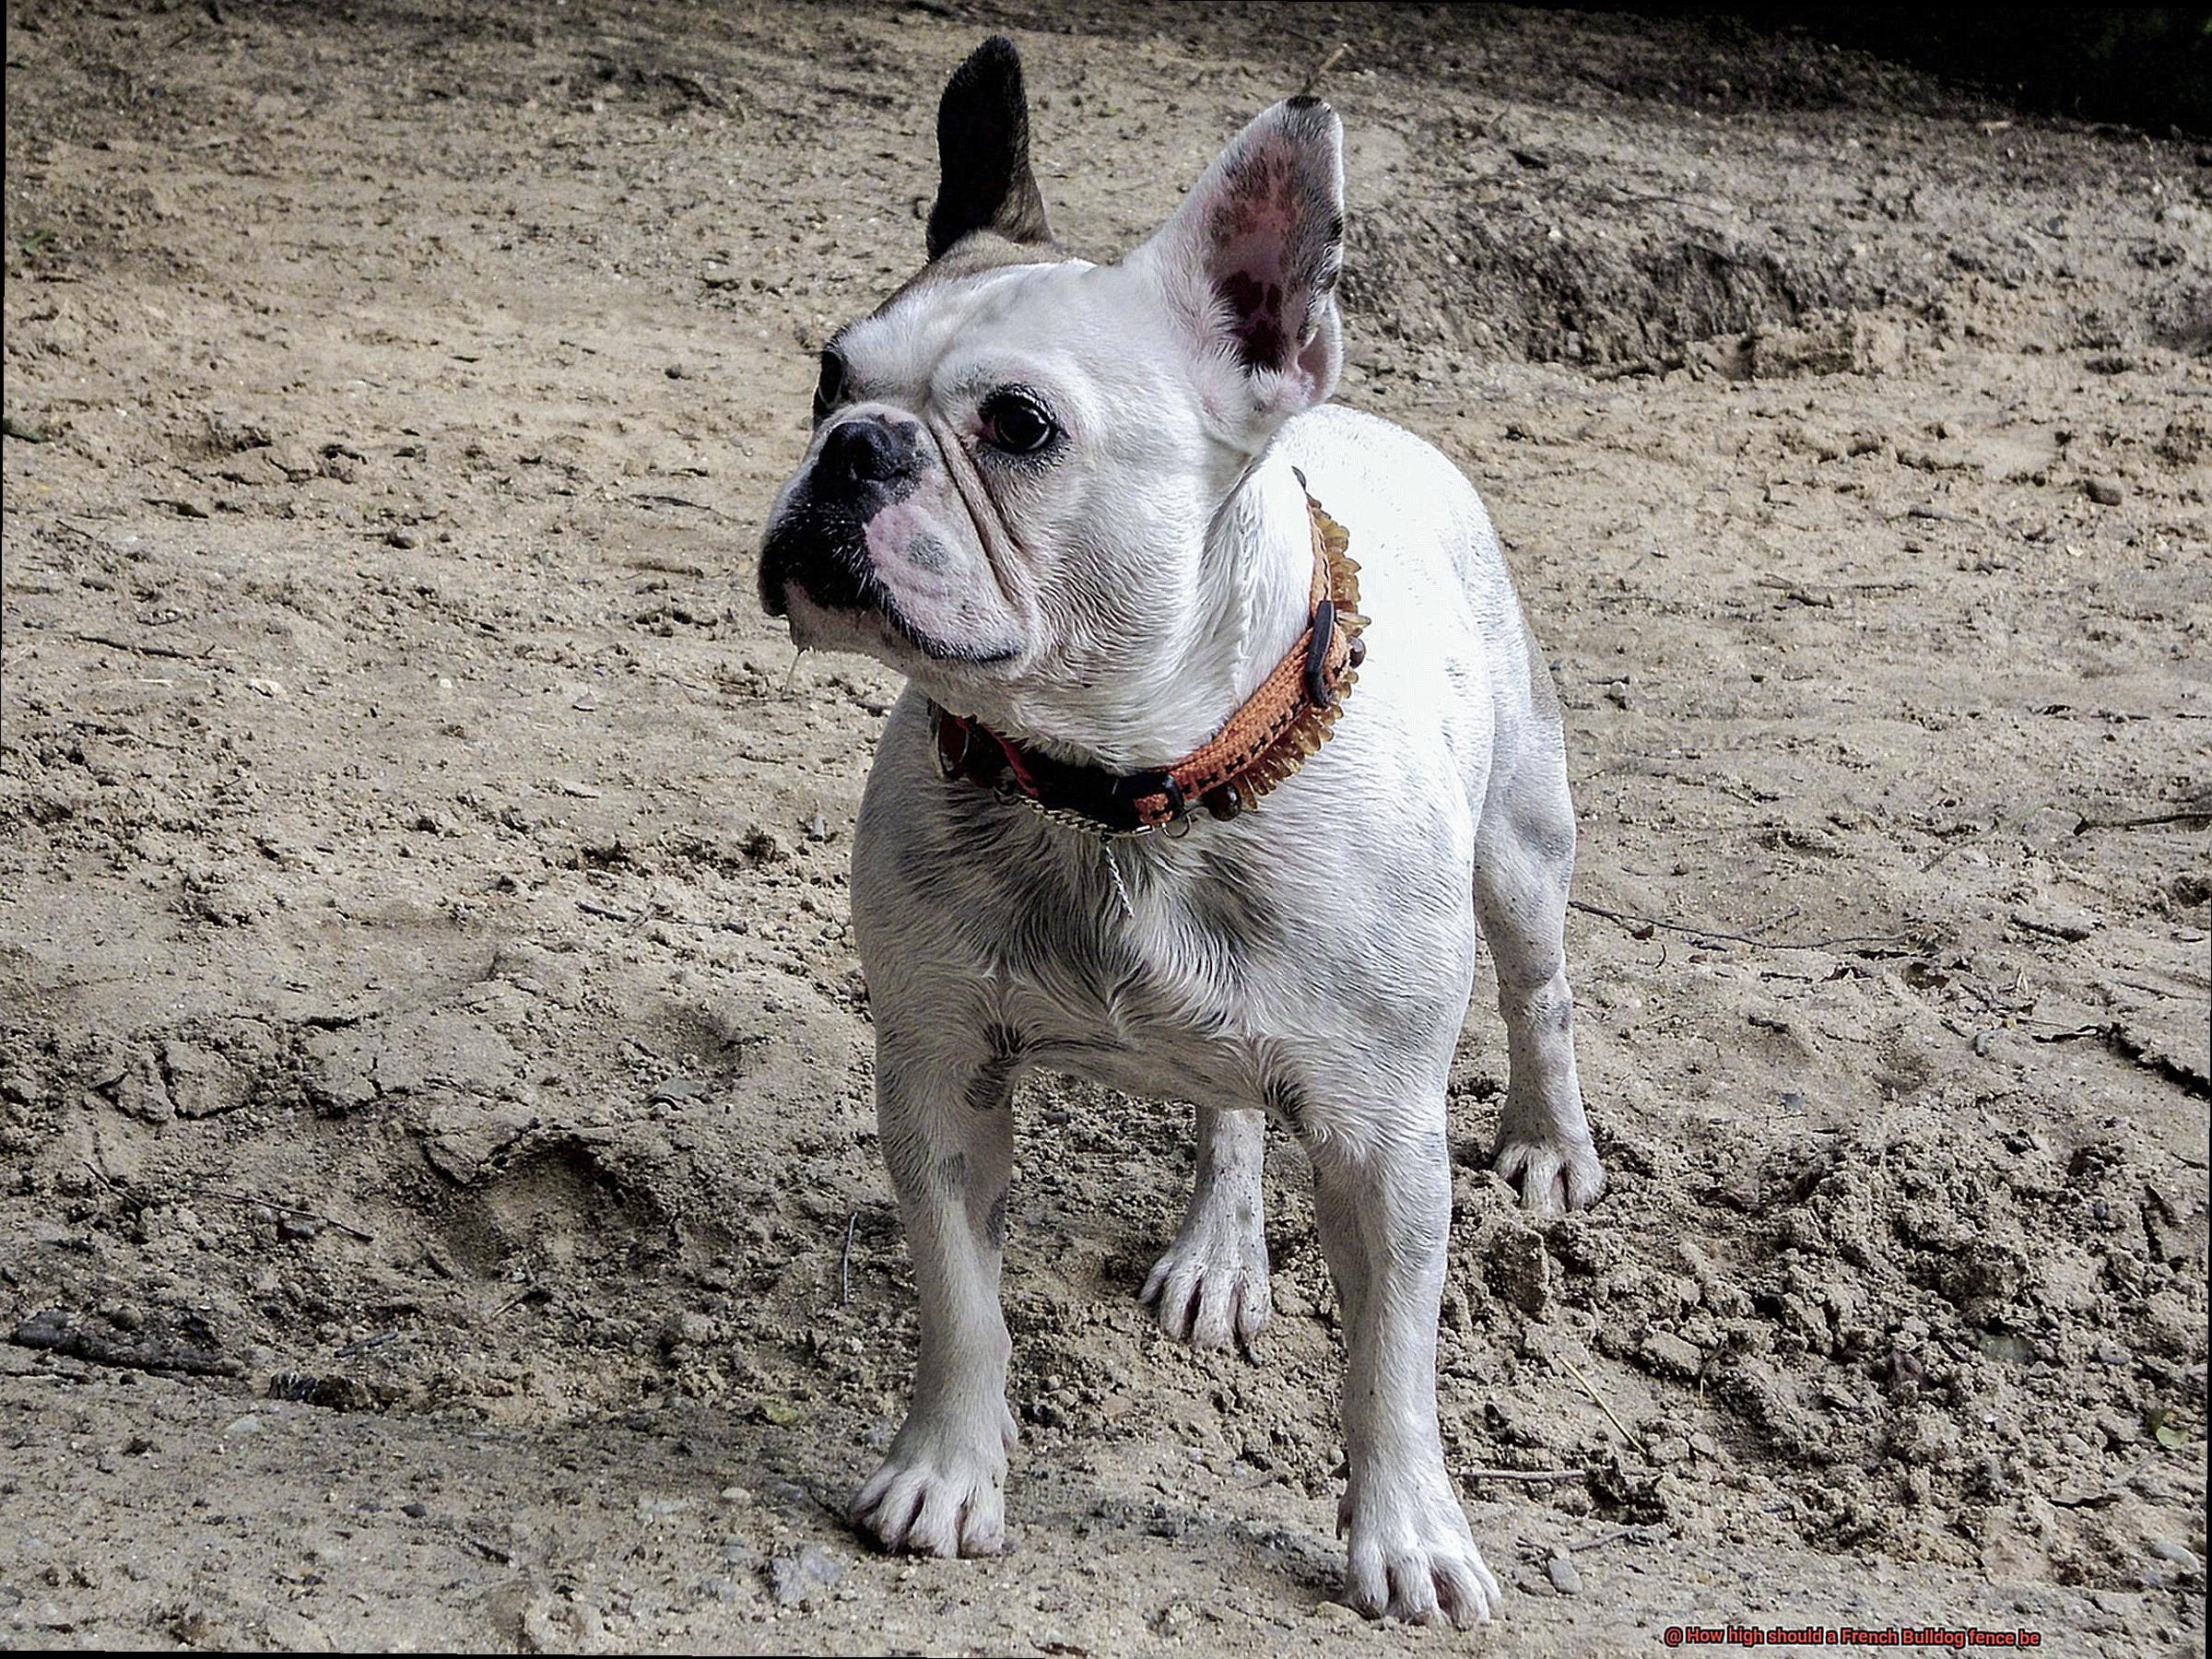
(438, 1197)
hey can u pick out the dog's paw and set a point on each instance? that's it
(1413, 1559)
(1551, 1173)
(936, 1494)
(1212, 1284)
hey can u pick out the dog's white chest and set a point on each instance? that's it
(1174, 995)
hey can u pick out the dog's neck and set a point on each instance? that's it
(1263, 536)
(1254, 597)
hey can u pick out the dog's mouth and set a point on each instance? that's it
(821, 554)
(876, 627)
(834, 600)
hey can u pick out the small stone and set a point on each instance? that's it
(123, 1316)
(47, 1330)
(687, 1330)
(1335, 1612)
(244, 1425)
(794, 1579)
(201, 1082)
(1670, 1356)
(1173, 1620)
(143, 1092)
(403, 539)
(2055, 919)
(2179, 1554)
(676, 371)
(1563, 1575)
(298, 1228)
(1519, 1270)
(106, 1067)
(415, 1509)
(2105, 492)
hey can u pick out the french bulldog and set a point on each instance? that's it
(1081, 507)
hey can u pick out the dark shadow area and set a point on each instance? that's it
(2149, 66)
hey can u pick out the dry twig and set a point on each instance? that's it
(141, 650)
(1648, 923)
(1598, 1400)
(1320, 70)
(2187, 815)
(1640, 1534)
(289, 1210)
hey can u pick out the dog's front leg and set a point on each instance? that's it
(1212, 1284)
(947, 1129)
(1383, 1203)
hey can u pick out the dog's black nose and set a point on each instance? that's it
(871, 451)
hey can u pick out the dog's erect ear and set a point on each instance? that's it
(984, 179)
(1251, 257)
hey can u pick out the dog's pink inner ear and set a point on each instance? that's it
(1248, 264)
(1271, 246)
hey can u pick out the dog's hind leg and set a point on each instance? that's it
(1524, 861)
(1212, 1284)
(946, 1128)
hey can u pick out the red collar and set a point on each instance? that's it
(1264, 741)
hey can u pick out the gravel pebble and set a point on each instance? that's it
(793, 1579)
(1670, 1356)
(2179, 1554)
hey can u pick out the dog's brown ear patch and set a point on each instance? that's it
(983, 182)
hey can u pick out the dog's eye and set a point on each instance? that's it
(1015, 422)
(830, 391)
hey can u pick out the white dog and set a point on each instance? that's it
(1093, 512)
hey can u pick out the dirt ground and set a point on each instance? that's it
(438, 1197)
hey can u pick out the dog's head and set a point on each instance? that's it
(1018, 458)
